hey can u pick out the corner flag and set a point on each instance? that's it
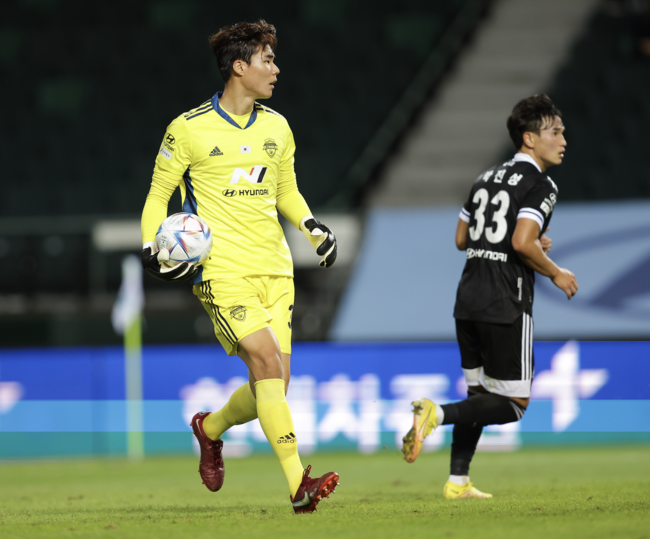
(126, 318)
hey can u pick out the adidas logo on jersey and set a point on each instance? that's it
(288, 439)
(216, 151)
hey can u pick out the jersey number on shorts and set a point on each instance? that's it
(494, 233)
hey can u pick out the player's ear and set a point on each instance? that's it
(529, 139)
(238, 67)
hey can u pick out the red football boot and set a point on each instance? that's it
(313, 490)
(211, 463)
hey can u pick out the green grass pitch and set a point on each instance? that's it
(538, 493)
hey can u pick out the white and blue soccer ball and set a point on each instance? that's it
(186, 237)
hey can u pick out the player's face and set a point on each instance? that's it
(550, 144)
(261, 74)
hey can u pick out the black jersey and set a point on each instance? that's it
(496, 286)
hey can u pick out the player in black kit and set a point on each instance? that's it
(501, 227)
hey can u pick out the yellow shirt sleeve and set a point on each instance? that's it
(289, 201)
(173, 159)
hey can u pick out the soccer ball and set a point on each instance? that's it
(186, 237)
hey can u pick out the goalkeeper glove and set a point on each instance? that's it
(322, 238)
(152, 263)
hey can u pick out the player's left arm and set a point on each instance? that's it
(546, 241)
(527, 240)
(292, 205)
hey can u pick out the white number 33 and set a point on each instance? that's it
(496, 232)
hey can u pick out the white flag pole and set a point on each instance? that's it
(127, 320)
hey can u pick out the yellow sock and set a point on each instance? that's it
(275, 418)
(240, 409)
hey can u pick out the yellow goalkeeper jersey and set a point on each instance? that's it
(233, 172)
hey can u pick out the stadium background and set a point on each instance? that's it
(395, 108)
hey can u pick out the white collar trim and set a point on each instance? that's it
(520, 156)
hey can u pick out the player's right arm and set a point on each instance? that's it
(462, 229)
(461, 234)
(463, 226)
(525, 241)
(174, 157)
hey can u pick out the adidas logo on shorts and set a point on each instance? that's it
(216, 151)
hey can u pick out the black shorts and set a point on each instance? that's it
(498, 356)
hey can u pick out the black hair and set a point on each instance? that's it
(531, 114)
(239, 42)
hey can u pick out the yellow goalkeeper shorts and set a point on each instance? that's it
(243, 306)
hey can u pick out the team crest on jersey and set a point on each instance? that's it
(238, 313)
(270, 147)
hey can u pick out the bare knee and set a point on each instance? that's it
(261, 353)
(264, 365)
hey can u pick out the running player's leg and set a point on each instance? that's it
(503, 388)
(238, 309)
(463, 446)
(261, 353)
(286, 368)
(241, 407)
(277, 296)
(465, 437)
(427, 415)
(476, 342)
(229, 322)
(498, 367)
(268, 355)
(269, 368)
(258, 309)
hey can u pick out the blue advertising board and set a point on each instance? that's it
(606, 246)
(343, 396)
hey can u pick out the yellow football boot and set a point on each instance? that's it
(424, 421)
(453, 491)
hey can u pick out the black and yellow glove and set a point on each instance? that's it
(152, 263)
(322, 238)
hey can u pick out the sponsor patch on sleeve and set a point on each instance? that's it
(166, 153)
(545, 208)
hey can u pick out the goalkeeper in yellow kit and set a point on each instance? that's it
(233, 160)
